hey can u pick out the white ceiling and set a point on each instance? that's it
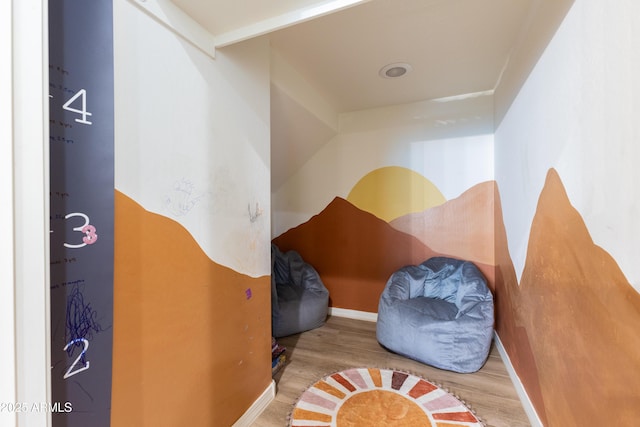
(455, 47)
(220, 17)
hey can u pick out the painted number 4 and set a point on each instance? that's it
(82, 94)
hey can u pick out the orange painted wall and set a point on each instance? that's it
(190, 343)
(571, 326)
(356, 252)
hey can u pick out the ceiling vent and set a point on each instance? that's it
(395, 70)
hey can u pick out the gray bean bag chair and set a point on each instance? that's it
(299, 299)
(439, 313)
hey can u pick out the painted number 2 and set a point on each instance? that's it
(71, 371)
(89, 231)
(82, 94)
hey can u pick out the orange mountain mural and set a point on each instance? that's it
(571, 327)
(188, 333)
(355, 253)
(461, 227)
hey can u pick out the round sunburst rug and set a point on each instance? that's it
(372, 397)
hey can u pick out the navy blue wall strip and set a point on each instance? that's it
(82, 210)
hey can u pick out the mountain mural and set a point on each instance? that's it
(571, 326)
(461, 227)
(188, 332)
(355, 253)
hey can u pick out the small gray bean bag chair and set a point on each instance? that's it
(439, 313)
(299, 299)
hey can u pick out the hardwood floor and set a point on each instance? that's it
(342, 343)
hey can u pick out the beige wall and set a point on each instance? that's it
(24, 216)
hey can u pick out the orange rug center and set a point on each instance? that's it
(379, 408)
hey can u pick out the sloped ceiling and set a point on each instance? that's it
(223, 17)
(455, 48)
(296, 134)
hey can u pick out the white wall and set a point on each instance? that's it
(448, 142)
(578, 112)
(24, 214)
(192, 136)
(7, 294)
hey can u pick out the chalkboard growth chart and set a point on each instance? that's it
(82, 210)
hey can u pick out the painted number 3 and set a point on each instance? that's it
(89, 231)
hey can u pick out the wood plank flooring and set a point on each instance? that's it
(343, 343)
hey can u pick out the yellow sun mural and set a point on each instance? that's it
(393, 191)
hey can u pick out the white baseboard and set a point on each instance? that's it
(522, 393)
(258, 406)
(353, 314)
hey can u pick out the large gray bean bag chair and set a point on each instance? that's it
(299, 299)
(439, 313)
